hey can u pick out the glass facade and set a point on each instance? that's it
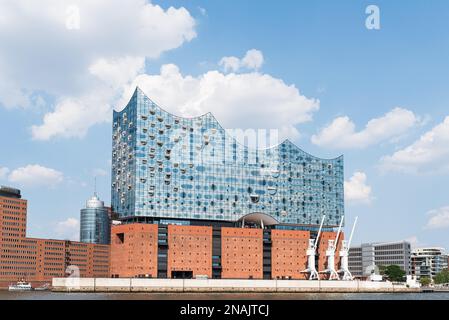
(165, 166)
(94, 222)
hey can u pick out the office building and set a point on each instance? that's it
(40, 260)
(365, 258)
(95, 226)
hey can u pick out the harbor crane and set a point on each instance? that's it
(344, 253)
(311, 254)
(330, 254)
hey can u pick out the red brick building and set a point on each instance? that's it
(40, 260)
(175, 251)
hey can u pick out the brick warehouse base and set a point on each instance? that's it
(141, 250)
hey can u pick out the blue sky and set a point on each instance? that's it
(380, 97)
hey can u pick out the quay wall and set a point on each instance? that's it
(221, 285)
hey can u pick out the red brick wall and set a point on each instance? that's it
(137, 255)
(288, 253)
(241, 253)
(190, 249)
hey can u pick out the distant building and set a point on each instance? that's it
(39, 260)
(10, 192)
(427, 262)
(95, 220)
(365, 258)
(355, 262)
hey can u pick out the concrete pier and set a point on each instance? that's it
(221, 285)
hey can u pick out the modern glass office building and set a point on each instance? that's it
(166, 167)
(94, 222)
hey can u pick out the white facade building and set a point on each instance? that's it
(427, 262)
(364, 259)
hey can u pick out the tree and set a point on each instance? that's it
(425, 281)
(382, 270)
(394, 273)
(442, 277)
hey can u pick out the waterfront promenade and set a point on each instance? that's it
(222, 285)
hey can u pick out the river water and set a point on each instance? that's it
(48, 295)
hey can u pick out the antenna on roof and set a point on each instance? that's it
(95, 186)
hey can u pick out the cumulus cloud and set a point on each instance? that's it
(245, 100)
(35, 175)
(428, 154)
(77, 49)
(341, 133)
(3, 172)
(68, 229)
(252, 60)
(438, 218)
(356, 189)
(73, 116)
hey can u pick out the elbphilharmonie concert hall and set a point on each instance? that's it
(189, 176)
(170, 167)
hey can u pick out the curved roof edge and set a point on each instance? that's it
(138, 91)
(257, 217)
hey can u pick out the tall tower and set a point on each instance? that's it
(95, 222)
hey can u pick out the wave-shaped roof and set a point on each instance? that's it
(139, 92)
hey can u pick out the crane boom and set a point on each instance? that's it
(319, 231)
(352, 232)
(339, 229)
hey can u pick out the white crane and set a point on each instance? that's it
(311, 253)
(330, 254)
(344, 253)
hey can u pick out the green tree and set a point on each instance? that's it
(382, 270)
(394, 273)
(442, 277)
(425, 281)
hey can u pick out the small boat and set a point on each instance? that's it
(20, 286)
(44, 287)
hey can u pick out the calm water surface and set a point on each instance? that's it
(47, 295)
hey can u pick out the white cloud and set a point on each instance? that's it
(3, 172)
(79, 50)
(34, 175)
(438, 218)
(356, 189)
(252, 60)
(68, 229)
(116, 72)
(73, 117)
(341, 132)
(230, 63)
(428, 154)
(244, 101)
